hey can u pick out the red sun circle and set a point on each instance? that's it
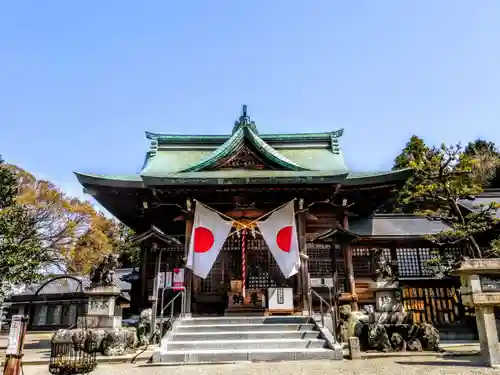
(284, 238)
(203, 240)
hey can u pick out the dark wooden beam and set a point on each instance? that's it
(188, 274)
(304, 273)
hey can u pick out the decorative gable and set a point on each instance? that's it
(244, 149)
(243, 158)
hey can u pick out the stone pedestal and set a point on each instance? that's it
(102, 310)
(386, 295)
(480, 289)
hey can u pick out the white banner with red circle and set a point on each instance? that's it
(209, 233)
(280, 233)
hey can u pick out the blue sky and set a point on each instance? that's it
(80, 81)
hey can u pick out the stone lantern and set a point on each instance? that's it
(480, 279)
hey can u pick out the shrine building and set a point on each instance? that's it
(245, 174)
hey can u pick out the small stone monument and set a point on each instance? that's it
(384, 286)
(102, 310)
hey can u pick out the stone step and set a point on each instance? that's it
(452, 335)
(242, 335)
(245, 327)
(246, 320)
(236, 355)
(244, 344)
(244, 310)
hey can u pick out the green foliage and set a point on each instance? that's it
(22, 255)
(486, 159)
(8, 187)
(442, 177)
(414, 150)
(129, 253)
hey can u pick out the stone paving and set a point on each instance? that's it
(414, 365)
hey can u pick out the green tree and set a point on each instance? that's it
(73, 232)
(8, 186)
(414, 150)
(22, 254)
(414, 153)
(442, 177)
(486, 158)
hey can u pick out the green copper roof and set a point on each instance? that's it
(242, 134)
(199, 159)
(169, 139)
(296, 152)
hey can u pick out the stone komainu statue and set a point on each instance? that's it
(383, 267)
(103, 273)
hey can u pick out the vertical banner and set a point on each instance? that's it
(168, 279)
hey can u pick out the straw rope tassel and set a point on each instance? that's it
(242, 225)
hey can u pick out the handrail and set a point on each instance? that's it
(330, 307)
(320, 298)
(171, 304)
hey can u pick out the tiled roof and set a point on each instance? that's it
(61, 285)
(483, 199)
(397, 225)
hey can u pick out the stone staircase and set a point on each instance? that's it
(244, 338)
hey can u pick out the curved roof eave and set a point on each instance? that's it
(132, 181)
(364, 178)
(234, 142)
(328, 234)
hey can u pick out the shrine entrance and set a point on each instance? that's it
(255, 268)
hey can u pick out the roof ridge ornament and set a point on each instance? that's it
(244, 121)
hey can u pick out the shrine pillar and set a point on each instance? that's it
(144, 277)
(154, 307)
(303, 276)
(349, 268)
(188, 274)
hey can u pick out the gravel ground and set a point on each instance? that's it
(387, 366)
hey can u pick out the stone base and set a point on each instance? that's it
(103, 290)
(382, 285)
(104, 322)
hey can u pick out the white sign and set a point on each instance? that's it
(280, 299)
(178, 279)
(168, 279)
(161, 280)
(315, 282)
(14, 335)
(328, 282)
(164, 280)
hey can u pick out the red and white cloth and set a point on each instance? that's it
(280, 233)
(209, 233)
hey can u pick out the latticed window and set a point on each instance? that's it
(262, 269)
(412, 262)
(320, 263)
(362, 261)
(408, 262)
